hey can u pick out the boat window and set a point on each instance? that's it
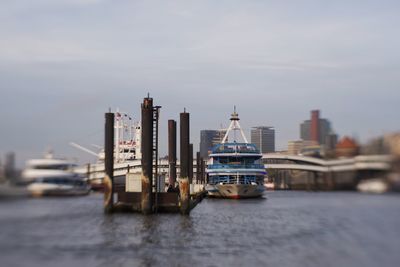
(223, 160)
(52, 167)
(63, 181)
(235, 148)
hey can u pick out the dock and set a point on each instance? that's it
(143, 190)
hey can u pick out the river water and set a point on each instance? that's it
(284, 229)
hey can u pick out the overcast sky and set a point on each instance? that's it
(64, 62)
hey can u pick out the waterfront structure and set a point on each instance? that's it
(305, 130)
(315, 129)
(331, 141)
(235, 169)
(315, 126)
(302, 172)
(294, 147)
(347, 147)
(208, 139)
(139, 187)
(264, 138)
(301, 147)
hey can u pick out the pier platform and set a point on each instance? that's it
(163, 202)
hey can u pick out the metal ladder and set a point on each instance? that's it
(156, 111)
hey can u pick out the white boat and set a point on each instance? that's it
(53, 177)
(235, 169)
(376, 186)
(127, 154)
(269, 186)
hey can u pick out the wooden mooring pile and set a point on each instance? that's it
(144, 192)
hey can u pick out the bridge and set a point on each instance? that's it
(304, 163)
(309, 173)
(274, 162)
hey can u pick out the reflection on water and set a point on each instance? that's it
(288, 229)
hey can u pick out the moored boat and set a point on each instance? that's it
(127, 152)
(235, 169)
(376, 186)
(53, 177)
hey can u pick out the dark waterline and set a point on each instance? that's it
(287, 229)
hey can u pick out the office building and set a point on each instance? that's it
(295, 147)
(316, 129)
(315, 126)
(331, 141)
(264, 138)
(208, 139)
(305, 130)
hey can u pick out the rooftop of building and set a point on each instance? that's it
(347, 142)
(263, 127)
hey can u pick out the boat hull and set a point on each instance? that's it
(43, 189)
(235, 191)
(377, 186)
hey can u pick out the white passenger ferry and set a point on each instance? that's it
(235, 169)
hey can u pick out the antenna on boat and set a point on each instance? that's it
(84, 149)
(234, 126)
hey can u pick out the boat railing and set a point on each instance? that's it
(233, 180)
(235, 166)
(248, 151)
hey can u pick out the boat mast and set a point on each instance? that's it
(234, 126)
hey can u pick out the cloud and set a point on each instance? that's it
(275, 60)
(22, 49)
(38, 4)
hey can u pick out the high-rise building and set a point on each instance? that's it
(208, 139)
(264, 138)
(315, 126)
(9, 165)
(305, 130)
(316, 129)
(331, 141)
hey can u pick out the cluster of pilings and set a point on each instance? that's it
(144, 196)
(200, 169)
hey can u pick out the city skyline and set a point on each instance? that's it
(64, 63)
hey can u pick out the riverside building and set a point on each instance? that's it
(208, 139)
(264, 138)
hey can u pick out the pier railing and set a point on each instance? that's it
(236, 166)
